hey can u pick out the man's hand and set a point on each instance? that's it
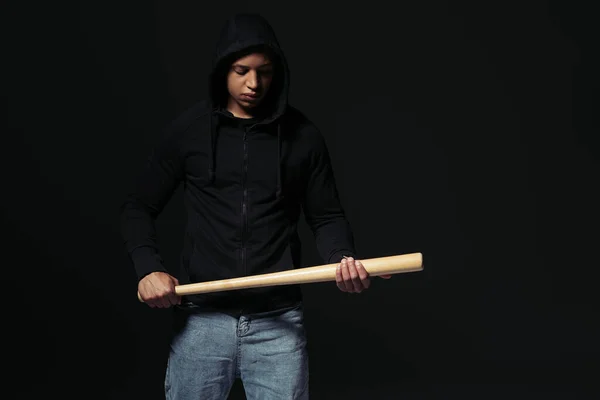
(352, 277)
(157, 289)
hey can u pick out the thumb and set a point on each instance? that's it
(176, 283)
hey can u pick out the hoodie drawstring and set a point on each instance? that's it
(212, 140)
(278, 192)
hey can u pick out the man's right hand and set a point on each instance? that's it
(157, 289)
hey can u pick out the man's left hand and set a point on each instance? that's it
(352, 277)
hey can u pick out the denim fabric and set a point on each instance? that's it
(210, 349)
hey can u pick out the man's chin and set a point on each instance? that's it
(250, 104)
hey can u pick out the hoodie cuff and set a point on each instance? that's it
(339, 256)
(146, 260)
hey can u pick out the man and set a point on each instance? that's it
(249, 163)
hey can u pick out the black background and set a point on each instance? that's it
(465, 131)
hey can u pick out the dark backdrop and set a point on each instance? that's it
(467, 132)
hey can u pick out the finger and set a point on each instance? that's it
(172, 295)
(347, 281)
(173, 299)
(157, 296)
(146, 296)
(153, 301)
(165, 302)
(362, 274)
(338, 278)
(152, 296)
(355, 279)
(162, 297)
(385, 276)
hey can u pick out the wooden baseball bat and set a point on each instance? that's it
(390, 265)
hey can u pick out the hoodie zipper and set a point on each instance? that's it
(244, 202)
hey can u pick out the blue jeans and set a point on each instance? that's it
(210, 350)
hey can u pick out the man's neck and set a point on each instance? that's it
(237, 111)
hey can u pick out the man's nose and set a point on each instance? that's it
(252, 81)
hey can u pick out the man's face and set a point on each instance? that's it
(248, 82)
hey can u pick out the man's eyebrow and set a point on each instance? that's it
(248, 67)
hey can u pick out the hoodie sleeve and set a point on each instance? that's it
(152, 190)
(322, 207)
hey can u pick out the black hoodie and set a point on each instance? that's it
(245, 184)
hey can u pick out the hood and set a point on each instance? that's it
(242, 34)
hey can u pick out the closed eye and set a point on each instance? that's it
(264, 70)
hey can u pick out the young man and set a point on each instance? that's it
(249, 163)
